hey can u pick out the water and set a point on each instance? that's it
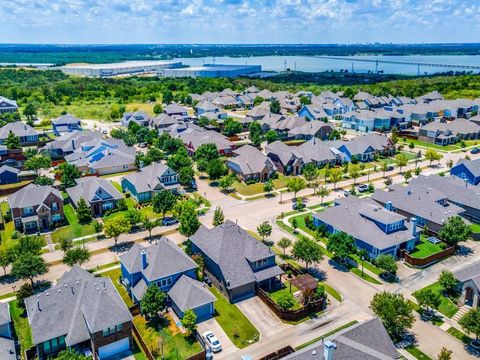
(318, 64)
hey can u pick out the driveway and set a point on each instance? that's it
(227, 346)
(260, 315)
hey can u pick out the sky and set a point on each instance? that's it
(238, 21)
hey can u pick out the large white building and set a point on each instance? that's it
(121, 68)
(210, 71)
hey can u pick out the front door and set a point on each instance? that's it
(44, 223)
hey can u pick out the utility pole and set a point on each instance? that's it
(418, 69)
(376, 66)
(284, 64)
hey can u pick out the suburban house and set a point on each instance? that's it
(25, 133)
(176, 110)
(364, 341)
(373, 227)
(364, 148)
(81, 312)
(36, 208)
(467, 170)
(7, 105)
(430, 207)
(310, 130)
(8, 175)
(320, 153)
(445, 133)
(98, 193)
(11, 157)
(69, 142)
(7, 342)
(103, 156)
(469, 284)
(193, 136)
(236, 260)
(149, 180)
(250, 163)
(287, 159)
(65, 124)
(205, 107)
(313, 112)
(164, 121)
(139, 117)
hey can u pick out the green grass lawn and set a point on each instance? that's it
(6, 234)
(289, 288)
(331, 291)
(21, 325)
(447, 307)
(459, 335)
(15, 185)
(118, 174)
(432, 146)
(74, 229)
(475, 228)
(235, 324)
(425, 248)
(301, 223)
(146, 211)
(257, 188)
(115, 275)
(417, 353)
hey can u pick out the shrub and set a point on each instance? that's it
(24, 292)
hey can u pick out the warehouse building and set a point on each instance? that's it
(118, 69)
(210, 71)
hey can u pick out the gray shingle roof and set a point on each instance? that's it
(4, 314)
(250, 160)
(32, 195)
(148, 179)
(19, 128)
(471, 272)
(472, 165)
(188, 293)
(73, 140)
(67, 119)
(93, 189)
(174, 109)
(7, 349)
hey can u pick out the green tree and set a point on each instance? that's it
(115, 227)
(256, 133)
(189, 321)
(12, 141)
(153, 301)
(133, 216)
(323, 192)
(38, 162)
(407, 175)
(77, 255)
(432, 155)
(284, 244)
(445, 354)
(311, 174)
(470, 322)
(66, 244)
(25, 291)
(387, 263)
(167, 97)
(305, 100)
(30, 111)
(401, 161)
(455, 230)
(84, 213)
(163, 201)
(179, 160)
(275, 106)
(216, 169)
(148, 225)
(157, 109)
(43, 180)
(28, 266)
(335, 176)
(450, 163)
(189, 222)
(295, 185)
(271, 136)
(70, 354)
(69, 173)
(218, 217)
(447, 281)
(258, 100)
(268, 187)
(226, 182)
(341, 245)
(428, 299)
(308, 251)
(231, 127)
(5, 260)
(384, 167)
(394, 311)
(206, 152)
(264, 230)
(186, 175)
(354, 172)
(285, 300)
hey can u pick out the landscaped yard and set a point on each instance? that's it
(146, 211)
(115, 275)
(301, 223)
(447, 306)
(21, 325)
(73, 229)
(426, 248)
(236, 325)
(432, 146)
(257, 188)
(289, 288)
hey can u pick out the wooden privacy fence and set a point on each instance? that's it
(279, 354)
(429, 259)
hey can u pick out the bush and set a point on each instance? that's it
(24, 292)
(251, 181)
(285, 300)
(7, 217)
(122, 205)
(98, 227)
(320, 292)
(15, 234)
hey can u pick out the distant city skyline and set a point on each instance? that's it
(238, 21)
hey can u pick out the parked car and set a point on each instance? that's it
(104, 131)
(362, 188)
(346, 192)
(212, 341)
(193, 185)
(167, 221)
(475, 150)
(390, 168)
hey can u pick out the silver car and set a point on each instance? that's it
(212, 341)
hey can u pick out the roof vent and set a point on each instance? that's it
(314, 352)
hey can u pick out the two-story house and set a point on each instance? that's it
(139, 117)
(65, 124)
(150, 180)
(7, 343)
(25, 133)
(237, 261)
(36, 208)
(81, 312)
(373, 227)
(98, 193)
(7, 105)
(467, 170)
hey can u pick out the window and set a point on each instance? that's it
(166, 282)
(28, 210)
(56, 217)
(54, 206)
(112, 330)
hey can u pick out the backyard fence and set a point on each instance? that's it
(142, 344)
(279, 354)
(429, 259)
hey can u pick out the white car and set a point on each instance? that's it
(212, 341)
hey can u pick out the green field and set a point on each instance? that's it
(432, 146)
(73, 229)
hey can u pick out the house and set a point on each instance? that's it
(65, 124)
(150, 180)
(164, 121)
(103, 156)
(98, 193)
(67, 143)
(204, 107)
(250, 163)
(430, 207)
(139, 117)
(431, 96)
(364, 341)
(7, 105)
(7, 343)
(237, 261)
(190, 294)
(81, 312)
(367, 120)
(25, 133)
(310, 130)
(467, 170)
(367, 101)
(162, 264)
(444, 133)
(373, 227)
(469, 284)
(8, 175)
(313, 112)
(176, 110)
(194, 136)
(36, 208)
(320, 153)
(364, 148)
(286, 158)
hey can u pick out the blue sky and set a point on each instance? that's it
(239, 21)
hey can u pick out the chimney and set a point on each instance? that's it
(389, 206)
(328, 349)
(414, 226)
(144, 259)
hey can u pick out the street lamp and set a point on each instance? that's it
(363, 258)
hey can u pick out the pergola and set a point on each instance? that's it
(306, 283)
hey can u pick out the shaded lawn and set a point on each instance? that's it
(459, 335)
(114, 275)
(21, 326)
(425, 248)
(447, 306)
(6, 234)
(257, 188)
(289, 288)
(417, 353)
(235, 324)
(74, 229)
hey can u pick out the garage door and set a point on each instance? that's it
(114, 348)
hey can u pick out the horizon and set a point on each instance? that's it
(246, 44)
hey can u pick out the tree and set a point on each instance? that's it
(186, 175)
(38, 162)
(387, 263)
(77, 255)
(226, 182)
(30, 111)
(394, 311)
(115, 227)
(66, 244)
(341, 245)
(407, 175)
(70, 354)
(455, 230)
(206, 152)
(268, 187)
(189, 321)
(354, 172)
(28, 266)
(43, 180)
(336, 175)
(231, 127)
(447, 281)
(5, 260)
(294, 224)
(167, 97)
(285, 300)
(153, 301)
(470, 322)
(450, 163)
(322, 192)
(401, 161)
(432, 155)
(69, 173)
(384, 167)
(218, 217)
(24, 292)
(216, 169)
(189, 222)
(305, 100)
(12, 141)
(179, 160)
(264, 230)
(163, 201)
(275, 106)
(311, 174)
(84, 213)
(157, 109)
(445, 354)
(148, 225)
(428, 299)
(255, 130)
(295, 185)
(308, 251)
(271, 136)
(284, 244)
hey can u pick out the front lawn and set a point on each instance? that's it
(301, 223)
(235, 324)
(417, 353)
(432, 146)
(74, 229)
(114, 275)
(447, 306)
(425, 248)
(6, 234)
(257, 188)
(146, 211)
(475, 228)
(21, 326)
(459, 335)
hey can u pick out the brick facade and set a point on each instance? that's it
(98, 340)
